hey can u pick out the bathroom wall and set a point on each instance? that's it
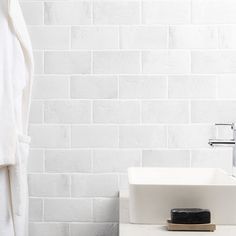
(119, 84)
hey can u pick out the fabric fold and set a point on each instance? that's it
(22, 34)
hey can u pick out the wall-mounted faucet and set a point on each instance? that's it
(227, 143)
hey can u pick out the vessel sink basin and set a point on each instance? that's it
(153, 192)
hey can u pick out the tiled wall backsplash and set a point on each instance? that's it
(118, 84)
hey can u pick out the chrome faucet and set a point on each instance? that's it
(227, 143)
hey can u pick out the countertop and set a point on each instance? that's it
(127, 229)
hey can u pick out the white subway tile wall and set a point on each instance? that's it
(117, 84)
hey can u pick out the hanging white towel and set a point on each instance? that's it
(8, 45)
(6, 220)
(16, 73)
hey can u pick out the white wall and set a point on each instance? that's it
(119, 84)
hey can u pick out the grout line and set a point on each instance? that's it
(141, 157)
(191, 12)
(76, 222)
(44, 161)
(141, 112)
(92, 111)
(43, 7)
(92, 12)
(43, 111)
(70, 185)
(190, 158)
(70, 38)
(146, 25)
(69, 228)
(167, 89)
(141, 11)
(135, 100)
(168, 38)
(92, 161)
(190, 111)
(132, 74)
(141, 62)
(92, 210)
(138, 49)
(43, 210)
(120, 125)
(92, 62)
(118, 88)
(119, 37)
(167, 138)
(114, 149)
(69, 88)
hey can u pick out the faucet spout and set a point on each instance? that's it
(221, 142)
(227, 143)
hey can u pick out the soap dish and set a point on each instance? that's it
(190, 227)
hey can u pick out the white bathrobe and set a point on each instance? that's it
(16, 73)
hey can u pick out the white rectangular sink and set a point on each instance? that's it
(155, 191)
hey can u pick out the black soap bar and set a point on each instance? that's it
(190, 216)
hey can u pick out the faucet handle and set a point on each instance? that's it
(232, 125)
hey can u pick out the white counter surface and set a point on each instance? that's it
(127, 229)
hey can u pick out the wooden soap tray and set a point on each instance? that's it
(190, 227)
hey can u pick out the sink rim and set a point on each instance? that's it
(230, 181)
